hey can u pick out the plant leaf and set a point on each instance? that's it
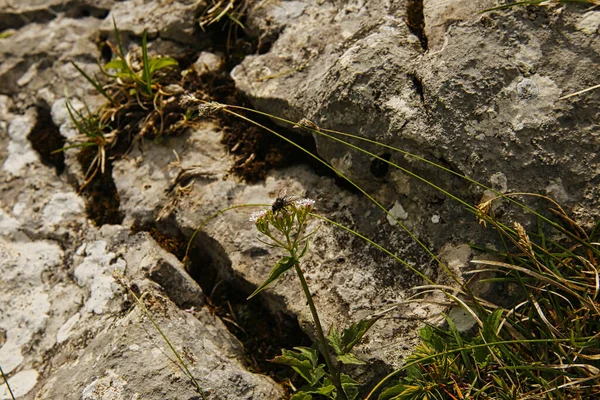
(350, 386)
(350, 358)
(117, 64)
(304, 250)
(392, 392)
(352, 335)
(95, 83)
(282, 266)
(310, 353)
(146, 77)
(335, 340)
(160, 63)
(304, 362)
(301, 396)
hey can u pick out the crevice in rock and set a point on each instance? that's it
(379, 168)
(256, 151)
(45, 138)
(15, 18)
(418, 84)
(78, 10)
(102, 198)
(258, 324)
(415, 19)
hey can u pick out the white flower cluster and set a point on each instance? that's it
(256, 215)
(304, 203)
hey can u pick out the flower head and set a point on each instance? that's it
(258, 215)
(304, 203)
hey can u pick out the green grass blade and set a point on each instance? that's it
(166, 340)
(12, 396)
(435, 165)
(121, 54)
(94, 83)
(339, 173)
(146, 75)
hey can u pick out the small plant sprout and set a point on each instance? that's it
(93, 132)
(284, 224)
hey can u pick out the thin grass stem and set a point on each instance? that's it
(6, 383)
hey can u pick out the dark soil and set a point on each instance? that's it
(45, 138)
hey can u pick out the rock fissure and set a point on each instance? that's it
(263, 326)
(415, 19)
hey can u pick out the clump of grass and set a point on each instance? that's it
(121, 280)
(547, 345)
(93, 132)
(143, 95)
(218, 9)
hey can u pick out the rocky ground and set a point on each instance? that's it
(481, 94)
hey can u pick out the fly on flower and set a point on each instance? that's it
(282, 201)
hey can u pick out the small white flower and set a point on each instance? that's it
(256, 215)
(304, 203)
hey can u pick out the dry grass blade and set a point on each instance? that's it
(552, 281)
(542, 316)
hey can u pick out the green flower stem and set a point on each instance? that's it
(335, 376)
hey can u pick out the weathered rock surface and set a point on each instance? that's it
(480, 94)
(483, 100)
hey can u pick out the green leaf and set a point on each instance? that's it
(431, 338)
(324, 389)
(350, 386)
(352, 335)
(116, 64)
(301, 396)
(491, 324)
(310, 354)
(282, 266)
(7, 33)
(95, 83)
(392, 392)
(146, 77)
(304, 362)
(335, 340)
(304, 250)
(121, 54)
(160, 63)
(350, 358)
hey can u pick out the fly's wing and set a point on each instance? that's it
(291, 199)
(282, 193)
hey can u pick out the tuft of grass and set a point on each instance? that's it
(93, 132)
(234, 10)
(121, 280)
(547, 345)
(143, 95)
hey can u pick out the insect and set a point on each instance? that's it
(282, 201)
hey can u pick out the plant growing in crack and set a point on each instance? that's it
(284, 224)
(93, 132)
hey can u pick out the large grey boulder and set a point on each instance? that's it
(483, 99)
